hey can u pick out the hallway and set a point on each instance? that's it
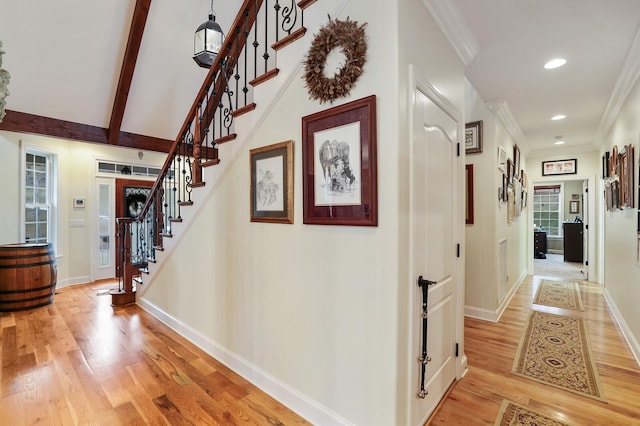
(491, 348)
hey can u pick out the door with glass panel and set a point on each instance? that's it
(103, 241)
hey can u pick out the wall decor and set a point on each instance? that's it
(272, 183)
(469, 194)
(516, 161)
(4, 82)
(619, 185)
(473, 137)
(574, 207)
(510, 171)
(560, 167)
(350, 37)
(78, 203)
(339, 165)
(502, 159)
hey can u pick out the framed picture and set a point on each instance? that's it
(516, 161)
(574, 207)
(272, 183)
(560, 167)
(78, 203)
(502, 159)
(469, 194)
(473, 137)
(339, 165)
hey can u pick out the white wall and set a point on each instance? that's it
(76, 179)
(318, 310)
(484, 298)
(621, 270)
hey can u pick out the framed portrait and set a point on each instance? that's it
(469, 194)
(574, 207)
(560, 167)
(272, 183)
(473, 137)
(502, 159)
(339, 165)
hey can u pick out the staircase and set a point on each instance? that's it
(247, 59)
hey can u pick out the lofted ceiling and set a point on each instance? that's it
(505, 44)
(66, 56)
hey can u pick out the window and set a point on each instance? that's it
(547, 209)
(39, 198)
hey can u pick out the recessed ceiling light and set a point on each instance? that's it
(555, 63)
(559, 142)
(558, 117)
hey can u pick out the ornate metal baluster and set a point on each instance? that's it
(289, 17)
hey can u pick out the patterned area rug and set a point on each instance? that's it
(555, 350)
(559, 294)
(512, 414)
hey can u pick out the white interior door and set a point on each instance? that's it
(585, 230)
(434, 215)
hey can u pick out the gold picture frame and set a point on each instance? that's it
(272, 183)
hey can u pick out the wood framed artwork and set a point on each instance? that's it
(560, 167)
(339, 165)
(473, 137)
(516, 161)
(272, 183)
(469, 194)
(574, 207)
(78, 203)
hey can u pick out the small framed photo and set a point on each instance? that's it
(560, 167)
(574, 207)
(502, 160)
(473, 137)
(339, 165)
(78, 203)
(272, 183)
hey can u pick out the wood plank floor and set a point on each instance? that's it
(491, 348)
(80, 361)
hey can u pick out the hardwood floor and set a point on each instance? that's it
(491, 348)
(80, 361)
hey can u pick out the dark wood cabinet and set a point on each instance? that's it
(573, 241)
(539, 242)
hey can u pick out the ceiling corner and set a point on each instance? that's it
(500, 108)
(455, 28)
(629, 74)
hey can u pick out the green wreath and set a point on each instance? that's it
(351, 39)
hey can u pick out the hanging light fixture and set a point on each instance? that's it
(207, 41)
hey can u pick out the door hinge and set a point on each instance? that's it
(457, 250)
(586, 227)
(458, 148)
(457, 349)
(586, 190)
(586, 263)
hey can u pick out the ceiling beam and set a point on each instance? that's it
(36, 124)
(136, 31)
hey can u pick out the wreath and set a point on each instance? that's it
(351, 39)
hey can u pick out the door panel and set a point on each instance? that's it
(432, 228)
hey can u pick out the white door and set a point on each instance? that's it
(433, 232)
(585, 229)
(103, 235)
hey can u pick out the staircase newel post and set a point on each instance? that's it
(124, 295)
(196, 171)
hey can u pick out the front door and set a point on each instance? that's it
(433, 232)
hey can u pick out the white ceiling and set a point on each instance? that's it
(64, 57)
(515, 38)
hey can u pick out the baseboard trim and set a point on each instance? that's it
(488, 314)
(304, 406)
(626, 331)
(73, 281)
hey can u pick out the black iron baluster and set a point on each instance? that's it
(237, 74)
(289, 17)
(265, 55)
(276, 7)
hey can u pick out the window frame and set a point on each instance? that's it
(52, 191)
(560, 211)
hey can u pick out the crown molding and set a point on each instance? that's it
(627, 78)
(454, 27)
(561, 150)
(500, 108)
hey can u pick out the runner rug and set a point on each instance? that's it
(512, 414)
(559, 294)
(555, 350)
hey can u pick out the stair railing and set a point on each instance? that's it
(246, 59)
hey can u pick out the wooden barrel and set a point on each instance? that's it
(28, 275)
